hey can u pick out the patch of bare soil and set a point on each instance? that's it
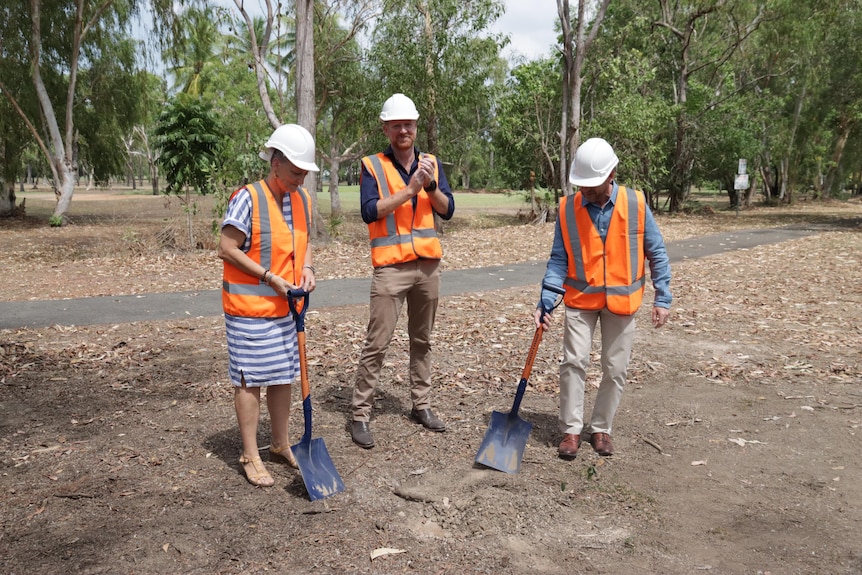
(737, 439)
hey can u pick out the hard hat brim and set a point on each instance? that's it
(266, 156)
(589, 182)
(398, 117)
(307, 166)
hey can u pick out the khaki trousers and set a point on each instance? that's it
(417, 282)
(617, 336)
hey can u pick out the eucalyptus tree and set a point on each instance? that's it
(700, 37)
(575, 46)
(54, 42)
(440, 54)
(837, 98)
(624, 99)
(304, 89)
(526, 138)
(111, 100)
(151, 99)
(261, 41)
(278, 60)
(13, 143)
(346, 106)
(803, 63)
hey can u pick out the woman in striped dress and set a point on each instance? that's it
(265, 248)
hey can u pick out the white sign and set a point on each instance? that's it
(741, 182)
(742, 166)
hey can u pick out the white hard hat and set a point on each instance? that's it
(297, 145)
(593, 163)
(399, 107)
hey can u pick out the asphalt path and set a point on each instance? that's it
(339, 292)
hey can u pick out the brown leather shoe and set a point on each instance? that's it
(361, 433)
(569, 446)
(601, 442)
(428, 420)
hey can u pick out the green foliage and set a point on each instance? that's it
(110, 104)
(193, 51)
(446, 72)
(189, 136)
(634, 118)
(335, 223)
(526, 140)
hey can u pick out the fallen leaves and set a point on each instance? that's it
(743, 442)
(381, 551)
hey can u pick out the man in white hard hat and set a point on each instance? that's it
(400, 191)
(266, 252)
(603, 236)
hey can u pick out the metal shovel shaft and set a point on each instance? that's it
(507, 435)
(318, 472)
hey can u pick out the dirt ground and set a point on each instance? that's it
(737, 440)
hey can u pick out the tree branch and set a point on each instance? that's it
(27, 121)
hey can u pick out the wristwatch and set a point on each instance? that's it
(432, 185)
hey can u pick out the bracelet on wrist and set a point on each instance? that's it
(263, 277)
(314, 271)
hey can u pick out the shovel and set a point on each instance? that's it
(504, 442)
(318, 472)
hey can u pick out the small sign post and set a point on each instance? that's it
(741, 182)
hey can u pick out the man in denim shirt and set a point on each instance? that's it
(604, 235)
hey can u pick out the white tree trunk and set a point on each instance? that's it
(259, 47)
(305, 108)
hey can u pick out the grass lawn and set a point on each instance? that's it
(463, 200)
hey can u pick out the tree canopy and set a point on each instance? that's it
(682, 90)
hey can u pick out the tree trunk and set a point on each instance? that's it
(431, 83)
(305, 109)
(574, 57)
(334, 167)
(679, 174)
(833, 172)
(66, 189)
(783, 177)
(568, 67)
(7, 198)
(748, 195)
(260, 46)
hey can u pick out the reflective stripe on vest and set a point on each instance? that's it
(247, 295)
(416, 236)
(610, 273)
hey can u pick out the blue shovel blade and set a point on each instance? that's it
(504, 443)
(318, 472)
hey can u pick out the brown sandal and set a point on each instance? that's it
(255, 472)
(283, 454)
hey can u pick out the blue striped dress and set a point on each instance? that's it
(261, 349)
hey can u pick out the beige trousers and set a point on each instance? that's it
(417, 283)
(617, 336)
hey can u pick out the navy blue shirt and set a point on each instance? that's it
(369, 194)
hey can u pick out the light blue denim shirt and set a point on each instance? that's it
(654, 250)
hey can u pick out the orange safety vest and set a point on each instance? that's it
(275, 247)
(406, 234)
(610, 273)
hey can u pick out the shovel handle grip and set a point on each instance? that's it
(293, 296)
(560, 291)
